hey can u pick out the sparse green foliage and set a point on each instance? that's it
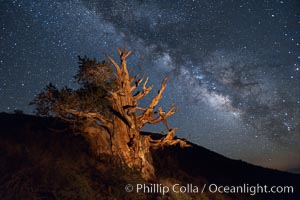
(94, 79)
(106, 108)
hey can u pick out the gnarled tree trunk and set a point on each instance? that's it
(132, 149)
(126, 142)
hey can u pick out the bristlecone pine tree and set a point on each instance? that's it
(106, 108)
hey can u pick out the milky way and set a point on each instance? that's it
(233, 66)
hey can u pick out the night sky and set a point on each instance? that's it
(233, 66)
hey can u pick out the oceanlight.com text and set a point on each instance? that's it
(211, 188)
(250, 189)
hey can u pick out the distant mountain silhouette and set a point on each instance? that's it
(41, 158)
(294, 170)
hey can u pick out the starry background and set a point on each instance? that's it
(233, 66)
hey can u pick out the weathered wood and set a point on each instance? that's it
(125, 140)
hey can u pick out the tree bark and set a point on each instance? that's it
(132, 149)
(125, 141)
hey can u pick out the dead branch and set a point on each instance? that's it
(168, 140)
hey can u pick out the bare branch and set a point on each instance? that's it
(140, 108)
(106, 122)
(146, 116)
(144, 119)
(63, 117)
(131, 79)
(123, 53)
(136, 84)
(119, 51)
(168, 140)
(145, 83)
(143, 93)
(157, 98)
(128, 53)
(114, 63)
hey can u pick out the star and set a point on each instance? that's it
(235, 83)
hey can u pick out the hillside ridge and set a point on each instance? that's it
(28, 144)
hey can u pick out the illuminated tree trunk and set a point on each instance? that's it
(126, 142)
(132, 149)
